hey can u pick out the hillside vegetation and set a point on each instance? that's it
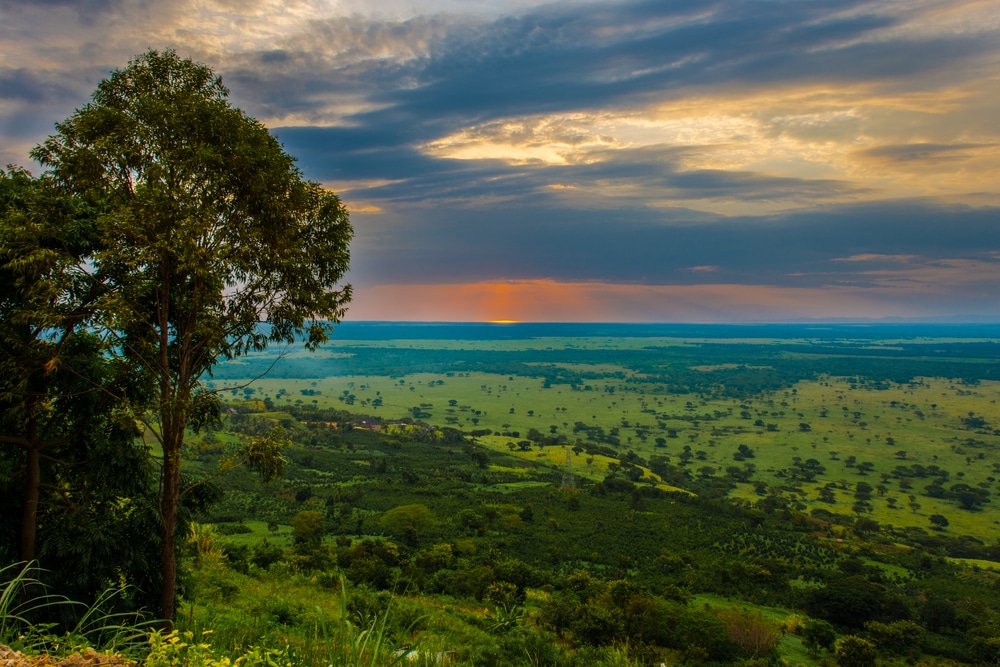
(831, 524)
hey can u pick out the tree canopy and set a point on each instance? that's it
(84, 487)
(204, 230)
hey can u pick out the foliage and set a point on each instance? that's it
(817, 634)
(853, 651)
(308, 528)
(896, 638)
(368, 643)
(203, 539)
(408, 520)
(520, 645)
(67, 453)
(756, 636)
(507, 600)
(181, 650)
(24, 599)
(621, 570)
(205, 229)
(850, 601)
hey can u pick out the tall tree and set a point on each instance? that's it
(41, 240)
(207, 229)
(79, 488)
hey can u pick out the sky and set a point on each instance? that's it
(621, 160)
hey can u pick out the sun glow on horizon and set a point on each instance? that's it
(891, 294)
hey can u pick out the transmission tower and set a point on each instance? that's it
(568, 480)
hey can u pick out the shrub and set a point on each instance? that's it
(266, 554)
(854, 651)
(817, 634)
(897, 638)
(755, 635)
(180, 650)
(233, 529)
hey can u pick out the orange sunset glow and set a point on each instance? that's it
(551, 301)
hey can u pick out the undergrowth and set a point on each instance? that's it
(33, 620)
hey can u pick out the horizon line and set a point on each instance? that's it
(843, 322)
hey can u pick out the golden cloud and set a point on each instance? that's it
(369, 208)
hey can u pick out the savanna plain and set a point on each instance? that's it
(574, 494)
(526, 494)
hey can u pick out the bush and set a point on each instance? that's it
(851, 602)
(756, 636)
(283, 612)
(233, 529)
(266, 554)
(951, 647)
(520, 646)
(308, 528)
(817, 634)
(176, 650)
(854, 651)
(897, 638)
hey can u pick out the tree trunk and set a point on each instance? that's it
(168, 527)
(33, 464)
(30, 516)
(171, 437)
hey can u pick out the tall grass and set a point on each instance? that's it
(372, 644)
(27, 609)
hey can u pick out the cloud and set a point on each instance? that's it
(794, 148)
(460, 69)
(876, 257)
(649, 174)
(943, 276)
(923, 152)
(31, 87)
(356, 209)
(88, 11)
(658, 246)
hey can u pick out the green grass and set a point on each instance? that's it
(260, 531)
(234, 612)
(976, 562)
(24, 600)
(790, 649)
